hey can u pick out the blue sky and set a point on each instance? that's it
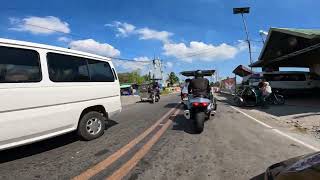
(169, 29)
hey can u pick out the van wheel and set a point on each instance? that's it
(91, 126)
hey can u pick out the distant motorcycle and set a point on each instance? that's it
(147, 93)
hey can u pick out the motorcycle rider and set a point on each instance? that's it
(199, 86)
(156, 88)
(184, 88)
(265, 91)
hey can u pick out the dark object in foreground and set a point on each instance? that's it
(302, 167)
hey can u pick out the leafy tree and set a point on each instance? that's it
(133, 77)
(173, 79)
(146, 77)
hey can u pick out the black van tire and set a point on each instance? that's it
(94, 117)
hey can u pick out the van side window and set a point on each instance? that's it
(65, 68)
(100, 71)
(19, 65)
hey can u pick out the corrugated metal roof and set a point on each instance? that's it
(277, 37)
(242, 71)
(307, 33)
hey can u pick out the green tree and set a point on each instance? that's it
(131, 77)
(146, 77)
(173, 79)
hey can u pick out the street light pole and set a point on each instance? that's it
(247, 35)
(245, 10)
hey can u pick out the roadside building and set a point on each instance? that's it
(287, 47)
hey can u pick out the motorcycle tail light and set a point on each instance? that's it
(195, 104)
(204, 104)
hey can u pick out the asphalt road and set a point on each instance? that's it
(231, 147)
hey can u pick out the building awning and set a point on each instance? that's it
(286, 47)
(242, 71)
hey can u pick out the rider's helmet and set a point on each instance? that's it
(198, 74)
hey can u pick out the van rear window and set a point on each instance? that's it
(64, 68)
(100, 71)
(19, 65)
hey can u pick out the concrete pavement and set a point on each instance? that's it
(232, 146)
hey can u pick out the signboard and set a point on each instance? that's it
(228, 85)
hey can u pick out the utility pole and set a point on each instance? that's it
(245, 10)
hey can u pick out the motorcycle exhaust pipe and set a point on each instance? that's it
(212, 113)
(186, 114)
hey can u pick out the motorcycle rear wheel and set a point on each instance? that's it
(199, 118)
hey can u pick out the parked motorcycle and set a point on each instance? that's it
(199, 108)
(249, 97)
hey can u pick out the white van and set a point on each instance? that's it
(288, 81)
(46, 91)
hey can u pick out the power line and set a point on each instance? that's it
(72, 34)
(132, 60)
(187, 55)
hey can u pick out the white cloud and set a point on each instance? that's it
(92, 46)
(132, 65)
(123, 29)
(146, 33)
(263, 32)
(64, 39)
(143, 58)
(39, 25)
(242, 45)
(202, 51)
(169, 64)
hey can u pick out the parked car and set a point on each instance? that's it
(47, 91)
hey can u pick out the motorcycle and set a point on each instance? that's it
(199, 108)
(146, 92)
(249, 96)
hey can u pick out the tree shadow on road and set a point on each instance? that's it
(180, 123)
(43, 146)
(171, 105)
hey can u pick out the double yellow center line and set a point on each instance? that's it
(129, 165)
